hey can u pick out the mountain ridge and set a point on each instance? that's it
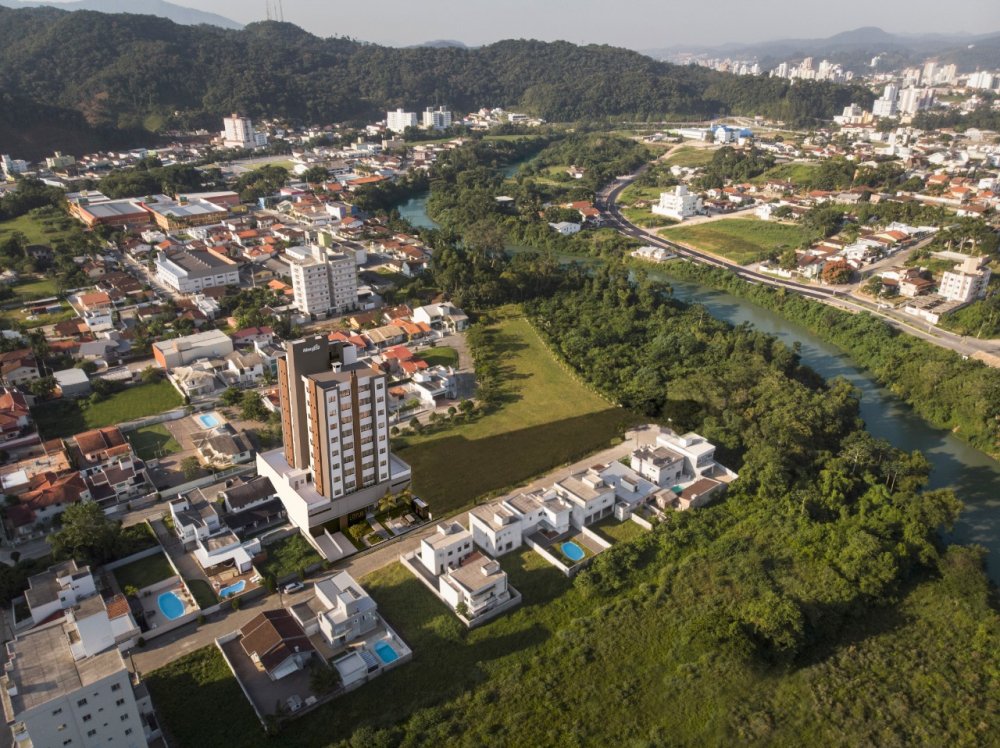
(177, 13)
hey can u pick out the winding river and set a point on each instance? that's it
(974, 476)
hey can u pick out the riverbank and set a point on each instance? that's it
(949, 392)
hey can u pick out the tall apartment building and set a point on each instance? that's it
(399, 120)
(967, 281)
(679, 204)
(52, 699)
(913, 100)
(323, 280)
(436, 119)
(239, 133)
(886, 105)
(335, 461)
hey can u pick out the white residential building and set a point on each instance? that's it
(53, 698)
(591, 497)
(399, 120)
(238, 132)
(436, 119)
(679, 204)
(886, 105)
(341, 611)
(190, 271)
(967, 281)
(323, 280)
(500, 527)
(58, 588)
(478, 584)
(444, 316)
(182, 351)
(446, 548)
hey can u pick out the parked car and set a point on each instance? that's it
(293, 587)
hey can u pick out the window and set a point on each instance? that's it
(86, 718)
(91, 733)
(67, 741)
(124, 717)
(119, 702)
(128, 731)
(57, 711)
(82, 702)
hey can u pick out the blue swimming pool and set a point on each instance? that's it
(233, 589)
(208, 420)
(572, 551)
(385, 652)
(170, 605)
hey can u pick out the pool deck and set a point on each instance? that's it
(550, 548)
(149, 597)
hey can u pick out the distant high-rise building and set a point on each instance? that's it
(912, 100)
(929, 76)
(239, 133)
(323, 280)
(886, 105)
(947, 75)
(399, 120)
(436, 119)
(336, 459)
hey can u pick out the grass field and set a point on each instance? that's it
(741, 240)
(799, 174)
(288, 556)
(153, 441)
(64, 418)
(547, 418)
(41, 226)
(144, 572)
(203, 593)
(618, 532)
(21, 317)
(36, 289)
(646, 218)
(439, 356)
(690, 156)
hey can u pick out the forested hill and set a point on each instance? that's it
(129, 71)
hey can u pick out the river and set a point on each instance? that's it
(974, 476)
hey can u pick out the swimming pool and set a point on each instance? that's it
(572, 551)
(233, 589)
(385, 652)
(208, 420)
(170, 605)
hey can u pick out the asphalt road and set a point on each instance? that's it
(607, 201)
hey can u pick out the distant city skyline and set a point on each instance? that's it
(637, 24)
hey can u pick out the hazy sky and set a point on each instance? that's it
(639, 24)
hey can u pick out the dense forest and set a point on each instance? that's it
(126, 73)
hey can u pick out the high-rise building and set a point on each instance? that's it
(335, 461)
(436, 119)
(51, 697)
(929, 76)
(947, 74)
(239, 133)
(912, 100)
(967, 281)
(323, 280)
(399, 120)
(886, 106)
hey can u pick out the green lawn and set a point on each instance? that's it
(439, 356)
(635, 192)
(41, 226)
(646, 218)
(618, 532)
(547, 418)
(289, 556)
(154, 441)
(203, 593)
(690, 156)
(189, 694)
(144, 572)
(63, 418)
(741, 240)
(22, 317)
(29, 289)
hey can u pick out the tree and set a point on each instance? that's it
(252, 407)
(191, 467)
(150, 375)
(232, 395)
(462, 610)
(86, 535)
(415, 424)
(42, 387)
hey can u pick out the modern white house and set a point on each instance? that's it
(683, 467)
(446, 548)
(500, 527)
(341, 611)
(679, 204)
(194, 520)
(198, 525)
(590, 497)
(444, 316)
(478, 584)
(59, 587)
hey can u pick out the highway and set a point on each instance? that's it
(606, 201)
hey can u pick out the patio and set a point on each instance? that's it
(559, 549)
(149, 598)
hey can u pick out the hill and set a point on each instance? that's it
(123, 71)
(176, 13)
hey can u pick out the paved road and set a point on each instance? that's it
(607, 200)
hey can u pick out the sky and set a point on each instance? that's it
(637, 24)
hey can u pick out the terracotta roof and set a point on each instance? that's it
(273, 637)
(117, 606)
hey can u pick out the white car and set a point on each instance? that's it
(293, 587)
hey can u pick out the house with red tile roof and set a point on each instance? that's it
(15, 415)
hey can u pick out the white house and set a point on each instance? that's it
(500, 527)
(478, 584)
(566, 228)
(58, 588)
(194, 520)
(591, 497)
(679, 204)
(444, 316)
(446, 548)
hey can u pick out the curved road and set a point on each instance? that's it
(606, 200)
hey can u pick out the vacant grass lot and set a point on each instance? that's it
(799, 174)
(144, 572)
(41, 226)
(646, 218)
(151, 442)
(36, 288)
(741, 240)
(64, 418)
(289, 556)
(547, 418)
(21, 316)
(439, 356)
(690, 156)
